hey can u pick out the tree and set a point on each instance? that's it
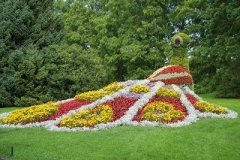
(132, 36)
(26, 27)
(225, 40)
(78, 67)
(69, 70)
(214, 25)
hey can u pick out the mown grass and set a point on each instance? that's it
(208, 139)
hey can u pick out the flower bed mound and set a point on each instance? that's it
(172, 74)
(163, 99)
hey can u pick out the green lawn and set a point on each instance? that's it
(208, 139)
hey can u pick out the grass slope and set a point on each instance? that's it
(213, 139)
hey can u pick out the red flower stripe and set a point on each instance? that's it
(120, 105)
(180, 80)
(193, 100)
(67, 106)
(174, 69)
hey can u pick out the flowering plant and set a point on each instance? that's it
(167, 92)
(203, 106)
(97, 94)
(120, 105)
(92, 95)
(167, 70)
(113, 87)
(31, 114)
(148, 102)
(173, 69)
(179, 80)
(65, 107)
(88, 117)
(140, 88)
(168, 100)
(172, 75)
(160, 112)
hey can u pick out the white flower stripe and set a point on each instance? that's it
(3, 115)
(66, 100)
(171, 75)
(159, 70)
(230, 114)
(192, 93)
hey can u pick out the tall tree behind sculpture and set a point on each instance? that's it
(131, 36)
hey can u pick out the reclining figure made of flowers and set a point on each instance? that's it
(162, 99)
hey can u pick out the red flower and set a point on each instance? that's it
(67, 106)
(120, 105)
(193, 100)
(178, 80)
(173, 69)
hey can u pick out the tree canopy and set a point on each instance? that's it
(36, 65)
(215, 57)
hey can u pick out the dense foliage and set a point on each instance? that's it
(215, 58)
(132, 36)
(35, 67)
(26, 28)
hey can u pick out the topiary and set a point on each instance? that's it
(179, 55)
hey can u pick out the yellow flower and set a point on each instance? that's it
(97, 94)
(89, 117)
(92, 95)
(140, 89)
(31, 114)
(160, 112)
(113, 87)
(167, 92)
(208, 107)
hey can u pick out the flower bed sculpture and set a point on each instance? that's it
(162, 99)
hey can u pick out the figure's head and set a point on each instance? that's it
(180, 40)
(179, 51)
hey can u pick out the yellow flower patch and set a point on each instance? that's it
(89, 117)
(140, 89)
(160, 112)
(167, 92)
(97, 94)
(208, 107)
(92, 95)
(113, 87)
(31, 114)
